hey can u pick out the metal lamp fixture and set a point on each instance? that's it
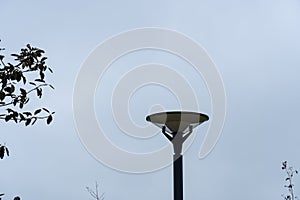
(177, 126)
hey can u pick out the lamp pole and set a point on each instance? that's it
(177, 126)
(177, 139)
(177, 177)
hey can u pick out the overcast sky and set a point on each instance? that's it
(255, 46)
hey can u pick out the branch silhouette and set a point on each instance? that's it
(18, 81)
(95, 193)
(290, 172)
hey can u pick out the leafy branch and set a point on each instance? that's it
(290, 172)
(18, 82)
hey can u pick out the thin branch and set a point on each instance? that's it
(33, 117)
(2, 63)
(95, 193)
(19, 96)
(42, 85)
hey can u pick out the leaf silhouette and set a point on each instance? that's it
(49, 119)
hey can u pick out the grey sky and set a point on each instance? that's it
(256, 46)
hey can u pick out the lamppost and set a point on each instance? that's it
(177, 126)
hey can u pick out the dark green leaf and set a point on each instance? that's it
(2, 95)
(7, 117)
(14, 55)
(34, 120)
(39, 80)
(23, 92)
(24, 79)
(46, 110)
(28, 46)
(15, 101)
(43, 59)
(26, 100)
(42, 75)
(27, 122)
(9, 89)
(37, 111)
(9, 110)
(40, 51)
(2, 152)
(39, 92)
(15, 119)
(4, 81)
(18, 76)
(49, 119)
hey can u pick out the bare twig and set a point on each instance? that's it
(95, 193)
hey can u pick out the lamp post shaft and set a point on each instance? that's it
(178, 177)
(177, 126)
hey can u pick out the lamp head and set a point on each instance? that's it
(177, 121)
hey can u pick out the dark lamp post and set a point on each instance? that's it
(177, 126)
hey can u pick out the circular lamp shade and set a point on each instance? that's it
(177, 121)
